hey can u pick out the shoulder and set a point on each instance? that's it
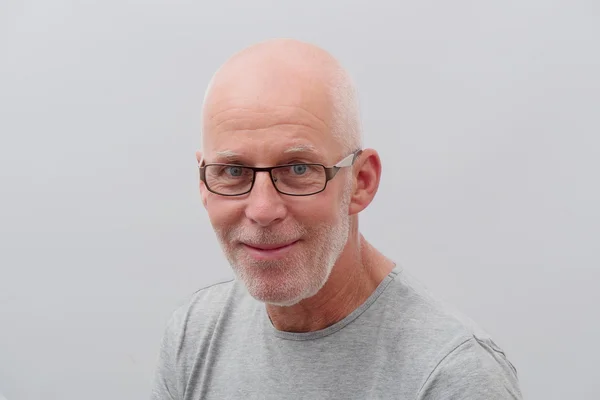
(201, 309)
(206, 299)
(187, 332)
(193, 325)
(475, 369)
(424, 316)
(452, 349)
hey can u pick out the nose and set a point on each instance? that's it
(265, 204)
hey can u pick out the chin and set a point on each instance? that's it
(279, 302)
(281, 286)
(275, 291)
(279, 298)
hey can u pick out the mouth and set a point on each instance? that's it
(269, 251)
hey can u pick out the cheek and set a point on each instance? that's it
(315, 212)
(223, 212)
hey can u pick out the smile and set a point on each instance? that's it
(269, 252)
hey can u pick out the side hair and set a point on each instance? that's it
(347, 125)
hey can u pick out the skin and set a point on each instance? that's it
(286, 105)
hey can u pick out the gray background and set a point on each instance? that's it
(485, 115)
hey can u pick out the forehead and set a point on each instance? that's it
(261, 132)
(263, 106)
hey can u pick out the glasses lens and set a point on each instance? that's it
(228, 179)
(300, 179)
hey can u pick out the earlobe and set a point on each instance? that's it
(367, 176)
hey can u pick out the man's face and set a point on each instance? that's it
(281, 247)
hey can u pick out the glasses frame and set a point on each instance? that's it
(330, 173)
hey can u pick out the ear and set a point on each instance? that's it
(367, 174)
(203, 191)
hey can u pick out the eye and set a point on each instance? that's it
(299, 169)
(234, 171)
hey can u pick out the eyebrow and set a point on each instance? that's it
(302, 148)
(228, 154)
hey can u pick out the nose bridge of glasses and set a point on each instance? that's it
(264, 176)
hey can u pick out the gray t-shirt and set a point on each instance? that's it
(401, 343)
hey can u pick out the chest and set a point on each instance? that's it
(337, 367)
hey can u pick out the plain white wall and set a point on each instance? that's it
(486, 115)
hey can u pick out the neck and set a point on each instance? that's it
(355, 276)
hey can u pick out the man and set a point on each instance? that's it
(315, 311)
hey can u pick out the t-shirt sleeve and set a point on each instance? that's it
(165, 377)
(475, 370)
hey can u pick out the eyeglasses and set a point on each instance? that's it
(300, 179)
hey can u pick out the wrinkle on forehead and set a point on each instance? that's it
(237, 121)
(279, 109)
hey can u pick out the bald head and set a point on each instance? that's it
(287, 73)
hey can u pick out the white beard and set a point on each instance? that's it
(305, 273)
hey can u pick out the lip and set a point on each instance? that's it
(269, 252)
